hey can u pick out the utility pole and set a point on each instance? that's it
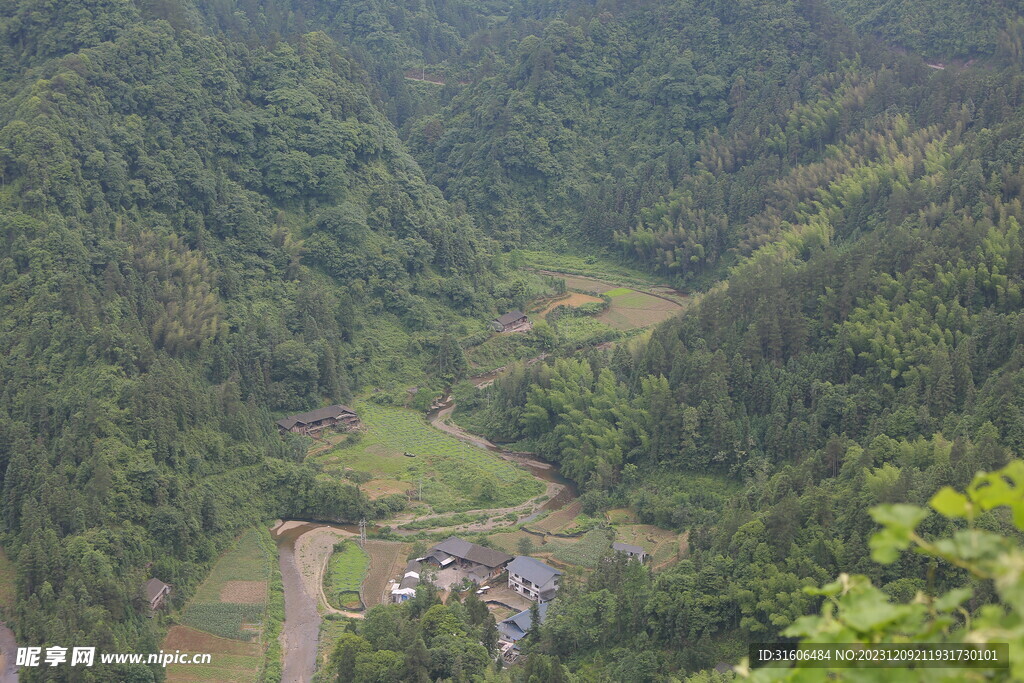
(362, 532)
(420, 497)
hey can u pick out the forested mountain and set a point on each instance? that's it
(868, 351)
(217, 212)
(197, 233)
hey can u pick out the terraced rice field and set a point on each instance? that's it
(225, 616)
(456, 476)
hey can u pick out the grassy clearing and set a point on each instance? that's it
(330, 631)
(7, 576)
(583, 265)
(620, 516)
(345, 573)
(456, 476)
(585, 330)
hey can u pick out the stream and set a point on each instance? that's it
(301, 629)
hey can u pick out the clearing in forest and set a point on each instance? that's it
(630, 308)
(225, 616)
(455, 476)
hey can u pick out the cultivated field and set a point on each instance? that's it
(630, 309)
(559, 521)
(344, 577)
(456, 476)
(387, 561)
(573, 300)
(225, 616)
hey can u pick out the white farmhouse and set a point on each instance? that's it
(533, 578)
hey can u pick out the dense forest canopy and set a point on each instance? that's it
(217, 212)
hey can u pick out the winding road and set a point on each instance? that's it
(304, 549)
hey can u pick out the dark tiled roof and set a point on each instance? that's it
(510, 317)
(532, 570)
(627, 548)
(408, 581)
(523, 622)
(315, 416)
(153, 588)
(464, 550)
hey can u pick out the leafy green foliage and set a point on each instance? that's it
(856, 611)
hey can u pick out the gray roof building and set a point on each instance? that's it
(515, 627)
(631, 550)
(532, 570)
(315, 416)
(457, 548)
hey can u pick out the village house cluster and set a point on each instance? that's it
(454, 561)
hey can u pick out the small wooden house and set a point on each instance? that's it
(513, 321)
(634, 552)
(315, 421)
(155, 591)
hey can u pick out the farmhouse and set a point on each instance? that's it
(479, 563)
(513, 321)
(515, 627)
(406, 588)
(533, 578)
(155, 592)
(317, 420)
(633, 551)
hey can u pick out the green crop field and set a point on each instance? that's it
(345, 573)
(235, 592)
(586, 552)
(618, 292)
(456, 476)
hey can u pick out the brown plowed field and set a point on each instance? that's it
(387, 560)
(245, 592)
